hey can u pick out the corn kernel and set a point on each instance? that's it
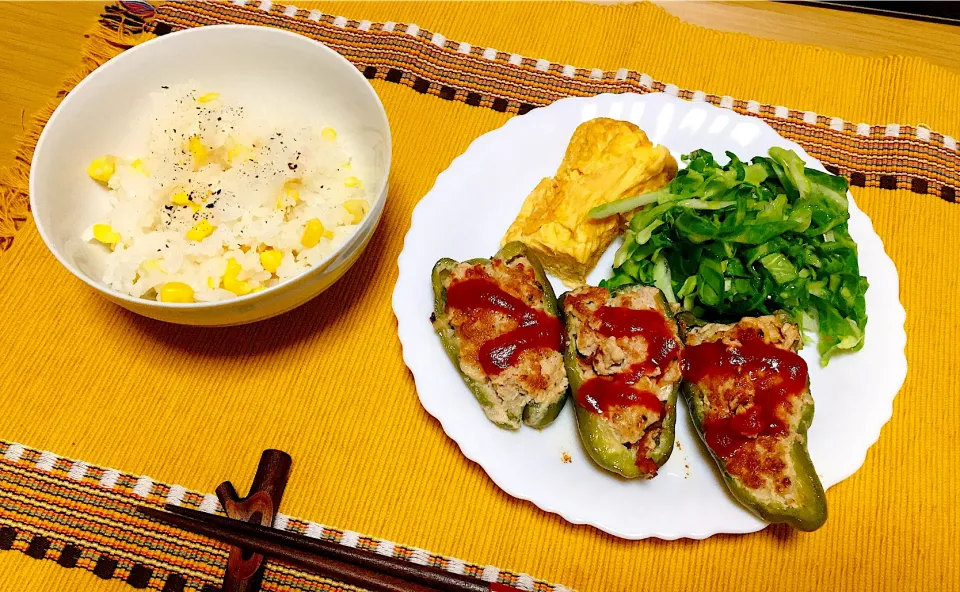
(201, 230)
(210, 283)
(105, 234)
(230, 281)
(197, 149)
(176, 292)
(182, 199)
(291, 191)
(237, 152)
(233, 268)
(329, 133)
(347, 166)
(141, 168)
(271, 259)
(313, 232)
(357, 208)
(352, 182)
(210, 96)
(101, 169)
(153, 265)
(237, 287)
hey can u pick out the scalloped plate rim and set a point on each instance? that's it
(468, 446)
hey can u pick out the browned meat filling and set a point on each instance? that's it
(603, 354)
(538, 374)
(751, 418)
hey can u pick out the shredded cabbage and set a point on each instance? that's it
(747, 239)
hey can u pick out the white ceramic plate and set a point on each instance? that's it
(466, 214)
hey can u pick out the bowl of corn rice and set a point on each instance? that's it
(215, 176)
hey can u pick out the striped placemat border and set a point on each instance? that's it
(889, 156)
(84, 516)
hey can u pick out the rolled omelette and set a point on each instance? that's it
(606, 160)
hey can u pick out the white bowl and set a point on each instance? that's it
(248, 64)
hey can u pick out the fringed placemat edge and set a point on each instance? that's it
(111, 36)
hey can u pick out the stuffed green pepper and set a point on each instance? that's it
(498, 321)
(623, 362)
(749, 397)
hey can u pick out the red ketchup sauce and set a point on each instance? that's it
(600, 393)
(536, 328)
(776, 375)
(662, 347)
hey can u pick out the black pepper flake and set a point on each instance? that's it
(292, 166)
(210, 206)
(219, 118)
(165, 87)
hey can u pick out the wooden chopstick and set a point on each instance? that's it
(357, 567)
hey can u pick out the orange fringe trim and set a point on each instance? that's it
(102, 44)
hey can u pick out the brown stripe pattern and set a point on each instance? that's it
(85, 517)
(889, 157)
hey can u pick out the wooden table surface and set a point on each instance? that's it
(40, 42)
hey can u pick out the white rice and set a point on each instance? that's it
(240, 185)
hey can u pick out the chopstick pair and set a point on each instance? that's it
(372, 571)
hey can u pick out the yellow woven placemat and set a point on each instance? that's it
(85, 379)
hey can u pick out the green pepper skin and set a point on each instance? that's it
(534, 414)
(597, 436)
(811, 512)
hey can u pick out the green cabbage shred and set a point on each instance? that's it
(747, 239)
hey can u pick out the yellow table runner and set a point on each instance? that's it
(85, 379)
